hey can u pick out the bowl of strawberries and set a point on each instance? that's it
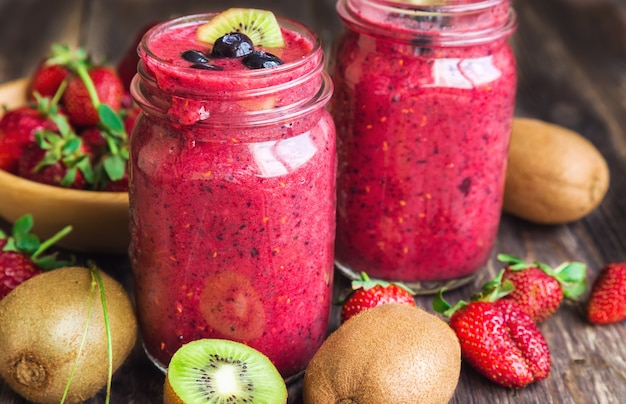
(64, 151)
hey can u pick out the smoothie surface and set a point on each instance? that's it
(168, 46)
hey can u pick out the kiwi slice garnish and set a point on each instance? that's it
(260, 26)
(222, 371)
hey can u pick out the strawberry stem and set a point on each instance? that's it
(83, 338)
(81, 70)
(52, 240)
(105, 312)
(57, 96)
(28, 244)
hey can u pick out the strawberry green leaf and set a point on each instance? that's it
(572, 277)
(84, 165)
(71, 146)
(514, 263)
(575, 290)
(70, 177)
(494, 289)
(115, 167)
(365, 282)
(110, 118)
(61, 54)
(26, 242)
(440, 305)
(50, 261)
(24, 224)
(22, 239)
(572, 271)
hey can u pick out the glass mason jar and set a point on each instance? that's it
(423, 104)
(232, 198)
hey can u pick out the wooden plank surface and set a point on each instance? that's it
(572, 71)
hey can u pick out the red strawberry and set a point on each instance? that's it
(93, 98)
(607, 301)
(57, 160)
(93, 140)
(498, 339)
(17, 131)
(368, 293)
(20, 255)
(120, 185)
(539, 289)
(80, 103)
(15, 268)
(47, 79)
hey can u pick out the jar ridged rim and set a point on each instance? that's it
(348, 12)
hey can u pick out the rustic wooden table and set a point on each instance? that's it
(572, 71)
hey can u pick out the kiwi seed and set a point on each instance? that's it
(260, 26)
(222, 371)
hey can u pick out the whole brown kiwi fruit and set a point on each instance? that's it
(42, 325)
(554, 174)
(388, 354)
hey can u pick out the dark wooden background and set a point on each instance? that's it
(572, 71)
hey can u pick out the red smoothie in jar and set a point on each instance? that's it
(423, 106)
(233, 198)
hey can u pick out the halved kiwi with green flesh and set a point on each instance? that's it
(222, 371)
(260, 26)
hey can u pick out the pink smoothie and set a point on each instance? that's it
(232, 216)
(423, 133)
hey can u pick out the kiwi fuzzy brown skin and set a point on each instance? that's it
(42, 322)
(388, 354)
(169, 395)
(554, 175)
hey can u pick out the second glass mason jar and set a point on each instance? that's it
(423, 104)
(232, 198)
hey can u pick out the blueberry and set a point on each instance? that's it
(261, 60)
(205, 66)
(194, 56)
(233, 45)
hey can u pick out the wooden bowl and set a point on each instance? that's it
(99, 219)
